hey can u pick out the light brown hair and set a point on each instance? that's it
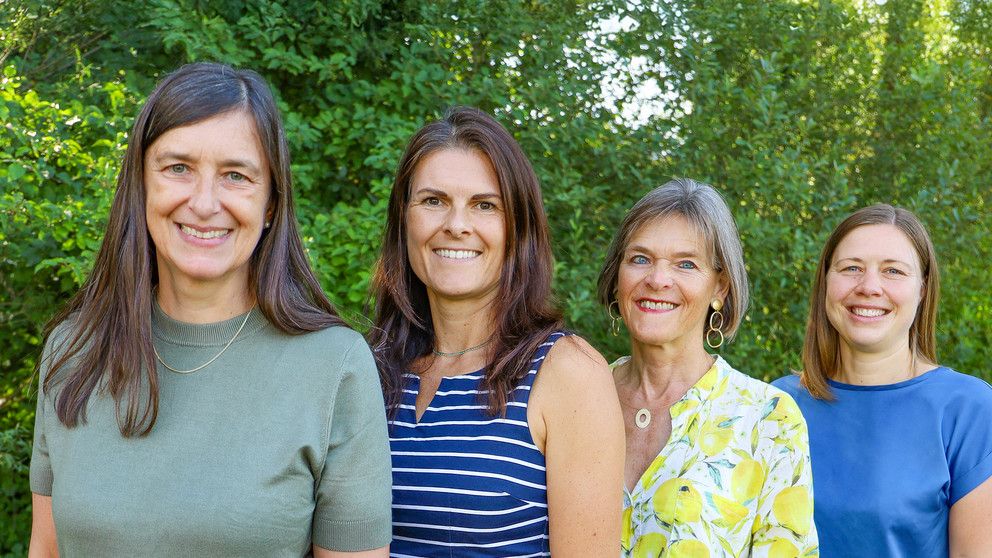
(110, 346)
(821, 351)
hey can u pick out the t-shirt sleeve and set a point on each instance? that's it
(354, 493)
(969, 447)
(41, 466)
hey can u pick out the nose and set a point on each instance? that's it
(457, 222)
(870, 283)
(659, 277)
(204, 201)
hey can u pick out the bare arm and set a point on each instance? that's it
(43, 541)
(376, 553)
(583, 444)
(968, 529)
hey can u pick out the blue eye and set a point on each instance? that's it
(894, 271)
(686, 264)
(235, 176)
(639, 260)
(178, 168)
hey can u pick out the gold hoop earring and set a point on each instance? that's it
(615, 321)
(716, 325)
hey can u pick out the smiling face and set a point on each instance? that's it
(874, 287)
(666, 283)
(207, 196)
(455, 226)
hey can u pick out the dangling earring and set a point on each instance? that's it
(615, 321)
(716, 325)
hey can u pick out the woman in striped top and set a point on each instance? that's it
(506, 433)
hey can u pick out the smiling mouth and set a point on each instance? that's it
(863, 312)
(206, 235)
(656, 305)
(457, 254)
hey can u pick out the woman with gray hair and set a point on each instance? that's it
(717, 462)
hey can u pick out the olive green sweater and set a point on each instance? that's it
(278, 444)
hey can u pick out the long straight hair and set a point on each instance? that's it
(109, 346)
(523, 312)
(821, 350)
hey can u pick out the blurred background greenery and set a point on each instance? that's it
(798, 110)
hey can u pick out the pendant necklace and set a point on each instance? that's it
(205, 364)
(643, 418)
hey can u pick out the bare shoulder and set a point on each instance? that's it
(573, 374)
(574, 361)
(574, 392)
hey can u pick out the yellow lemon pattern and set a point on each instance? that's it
(733, 480)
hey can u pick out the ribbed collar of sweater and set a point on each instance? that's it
(215, 334)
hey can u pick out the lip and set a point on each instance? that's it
(204, 242)
(639, 304)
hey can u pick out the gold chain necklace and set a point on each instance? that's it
(460, 353)
(205, 364)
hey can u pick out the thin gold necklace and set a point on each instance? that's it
(463, 351)
(205, 364)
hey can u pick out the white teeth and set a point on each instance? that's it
(656, 305)
(457, 254)
(867, 312)
(198, 234)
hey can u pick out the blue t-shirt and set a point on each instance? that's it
(889, 461)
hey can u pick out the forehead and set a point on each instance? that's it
(670, 233)
(877, 243)
(456, 171)
(225, 134)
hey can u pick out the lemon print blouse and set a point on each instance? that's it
(734, 479)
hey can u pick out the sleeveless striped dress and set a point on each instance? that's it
(465, 483)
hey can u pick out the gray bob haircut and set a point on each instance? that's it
(703, 206)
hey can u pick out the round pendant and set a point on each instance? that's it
(643, 418)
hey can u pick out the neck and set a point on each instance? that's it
(878, 368)
(459, 325)
(202, 303)
(666, 372)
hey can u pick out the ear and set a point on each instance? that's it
(722, 287)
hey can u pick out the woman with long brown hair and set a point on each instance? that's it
(199, 394)
(901, 446)
(506, 433)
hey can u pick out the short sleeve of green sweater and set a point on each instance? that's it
(354, 489)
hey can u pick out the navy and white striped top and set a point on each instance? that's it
(466, 483)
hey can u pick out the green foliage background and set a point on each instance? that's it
(799, 111)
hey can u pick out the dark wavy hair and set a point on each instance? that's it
(523, 311)
(110, 346)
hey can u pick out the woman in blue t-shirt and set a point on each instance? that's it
(901, 446)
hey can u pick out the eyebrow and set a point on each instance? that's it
(885, 261)
(676, 255)
(443, 194)
(246, 164)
